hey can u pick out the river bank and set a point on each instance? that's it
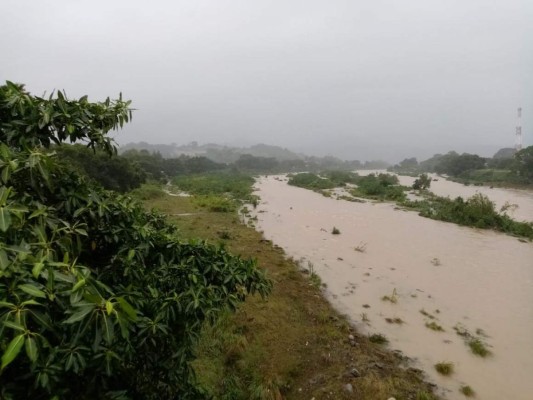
(292, 346)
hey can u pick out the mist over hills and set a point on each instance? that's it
(228, 154)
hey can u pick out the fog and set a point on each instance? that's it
(356, 79)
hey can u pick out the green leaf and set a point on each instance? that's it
(31, 349)
(79, 284)
(108, 328)
(13, 349)
(5, 219)
(14, 325)
(42, 319)
(30, 303)
(127, 308)
(32, 290)
(4, 260)
(78, 316)
(37, 268)
(6, 304)
(4, 194)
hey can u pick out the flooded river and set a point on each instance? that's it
(475, 281)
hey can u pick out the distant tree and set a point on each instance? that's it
(409, 163)
(455, 165)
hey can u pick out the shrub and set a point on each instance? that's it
(98, 298)
(444, 368)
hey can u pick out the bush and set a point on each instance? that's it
(380, 187)
(423, 182)
(98, 298)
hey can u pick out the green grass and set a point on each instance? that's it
(148, 191)
(378, 338)
(234, 185)
(424, 396)
(444, 368)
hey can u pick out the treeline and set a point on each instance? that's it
(134, 167)
(128, 171)
(505, 167)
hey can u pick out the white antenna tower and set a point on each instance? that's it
(518, 143)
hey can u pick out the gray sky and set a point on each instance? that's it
(357, 79)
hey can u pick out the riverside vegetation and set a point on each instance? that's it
(506, 168)
(477, 211)
(102, 299)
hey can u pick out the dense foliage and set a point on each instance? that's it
(159, 168)
(112, 172)
(98, 298)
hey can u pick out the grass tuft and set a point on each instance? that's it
(444, 368)
(467, 391)
(393, 298)
(434, 326)
(378, 338)
(478, 347)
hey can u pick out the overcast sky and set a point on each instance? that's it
(360, 79)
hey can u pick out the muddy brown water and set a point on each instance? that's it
(480, 281)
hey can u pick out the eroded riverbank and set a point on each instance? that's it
(478, 280)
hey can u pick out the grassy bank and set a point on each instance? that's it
(294, 345)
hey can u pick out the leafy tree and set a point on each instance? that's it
(98, 298)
